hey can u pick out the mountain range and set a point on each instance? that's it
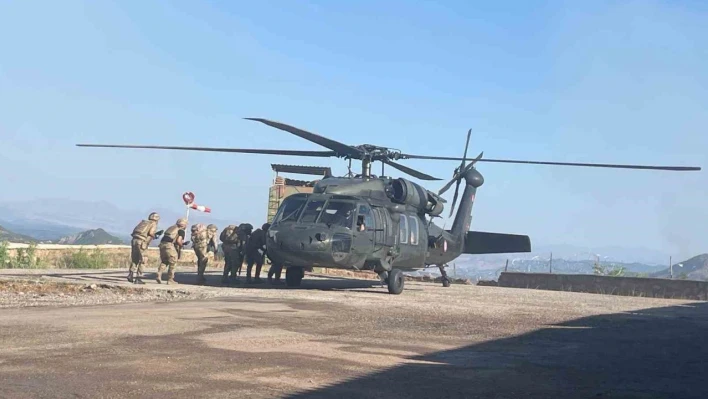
(49, 220)
(91, 237)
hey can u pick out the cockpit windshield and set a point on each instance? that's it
(290, 209)
(312, 211)
(339, 213)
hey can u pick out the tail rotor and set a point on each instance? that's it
(460, 173)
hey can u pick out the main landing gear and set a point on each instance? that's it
(294, 275)
(445, 279)
(394, 279)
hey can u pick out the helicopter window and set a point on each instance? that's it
(339, 213)
(290, 209)
(414, 230)
(368, 219)
(312, 211)
(403, 230)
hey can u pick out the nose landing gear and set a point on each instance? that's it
(294, 275)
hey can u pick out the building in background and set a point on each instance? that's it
(284, 187)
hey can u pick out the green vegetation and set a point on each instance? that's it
(25, 258)
(603, 270)
(82, 259)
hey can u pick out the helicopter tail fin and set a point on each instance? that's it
(479, 242)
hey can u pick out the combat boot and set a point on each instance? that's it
(138, 280)
(130, 276)
(171, 275)
(160, 269)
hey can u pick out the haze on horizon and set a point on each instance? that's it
(599, 82)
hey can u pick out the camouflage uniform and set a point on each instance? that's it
(142, 234)
(255, 252)
(172, 239)
(229, 242)
(199, 244)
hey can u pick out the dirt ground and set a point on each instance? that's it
(337, 337)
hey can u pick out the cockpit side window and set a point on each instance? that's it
(368, 218)
(339, 213)
(290, 209)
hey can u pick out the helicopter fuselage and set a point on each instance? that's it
(352, 223)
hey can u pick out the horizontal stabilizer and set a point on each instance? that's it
(479, 242)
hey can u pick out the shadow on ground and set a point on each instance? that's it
(654, 353)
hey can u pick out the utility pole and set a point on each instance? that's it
(671, 268)
(550, 265)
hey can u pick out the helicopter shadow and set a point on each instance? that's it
(320, 283)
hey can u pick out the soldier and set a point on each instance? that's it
(142, 235)
(170, 249)
(199, 244)
(243, 233)
(255, 252)
(229, 241)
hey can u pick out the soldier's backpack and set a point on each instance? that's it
(170, 234)
(142, 229)
(227, 235)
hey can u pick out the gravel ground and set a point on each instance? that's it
(346, 339)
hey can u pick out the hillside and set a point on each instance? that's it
(695, 268)
(90, 237)
(7, 235)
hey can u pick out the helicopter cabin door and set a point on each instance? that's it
(364, 231)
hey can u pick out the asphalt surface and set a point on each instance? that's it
(338, 338)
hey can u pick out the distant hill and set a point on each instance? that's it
(7, 235)
(90, 237)
(695, 268)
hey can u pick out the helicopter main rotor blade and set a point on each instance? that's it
(410, 171)
(595, 165)
(340, 148)
(239, 150)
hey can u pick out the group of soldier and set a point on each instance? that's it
(239, 243)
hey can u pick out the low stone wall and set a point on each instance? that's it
(628, 286)
(53, 255)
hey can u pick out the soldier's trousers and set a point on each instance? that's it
(202, 261)
(258, 260)
(168, 258)
(232, 260)
(138, 256)
(275, 270)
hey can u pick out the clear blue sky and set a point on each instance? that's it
(598, 82)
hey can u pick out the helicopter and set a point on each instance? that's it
(379, 223)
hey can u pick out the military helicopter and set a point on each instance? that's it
(379, 223)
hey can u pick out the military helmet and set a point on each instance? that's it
(265, 226)
(154, 216)
(212, 227)
(182, 222)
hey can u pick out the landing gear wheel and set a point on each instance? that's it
(446, 282)
(395, 282)
(294, 275)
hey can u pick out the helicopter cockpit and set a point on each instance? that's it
(321, 229)
(330, 211)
